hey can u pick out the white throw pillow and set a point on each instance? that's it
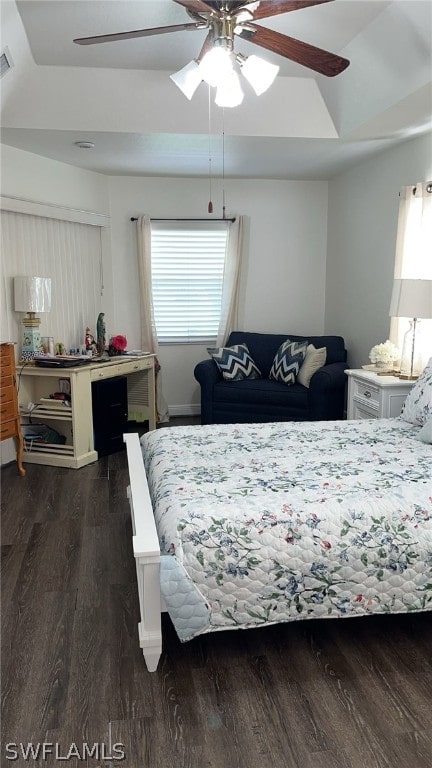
(417, 408)
(315, 359)
(425, 434)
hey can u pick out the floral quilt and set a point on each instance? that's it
(284, 521)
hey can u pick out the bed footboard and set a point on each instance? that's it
(147, 554)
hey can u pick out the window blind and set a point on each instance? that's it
(70, 254)
(187, 276)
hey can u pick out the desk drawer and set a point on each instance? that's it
(120, 369)
(7, 391)
(7, 411)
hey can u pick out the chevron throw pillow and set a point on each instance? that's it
(287, 361)
(235, 362)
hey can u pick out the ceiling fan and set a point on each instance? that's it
(226, 19)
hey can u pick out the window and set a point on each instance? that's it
(187, 260)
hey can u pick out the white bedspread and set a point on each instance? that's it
(283, 521)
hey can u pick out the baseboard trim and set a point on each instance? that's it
(184, 410)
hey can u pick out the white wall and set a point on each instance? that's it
(285, 248)
(362, 221)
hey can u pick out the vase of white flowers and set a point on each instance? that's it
(383, 355)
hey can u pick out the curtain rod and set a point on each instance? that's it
(135, 218)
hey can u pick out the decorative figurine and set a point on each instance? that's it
(100, 331)
(90, 343)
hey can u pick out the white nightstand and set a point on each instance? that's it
(375, 397)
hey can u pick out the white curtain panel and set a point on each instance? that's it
(149, 342)
(231, 281)
(413, 258)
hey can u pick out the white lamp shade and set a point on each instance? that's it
(229, 93)
(411, 298)
(259, 73)
(32, 294)
(188, 78)
(216, 66)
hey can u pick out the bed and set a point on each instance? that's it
(239, 526)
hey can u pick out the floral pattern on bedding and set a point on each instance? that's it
(275, 522)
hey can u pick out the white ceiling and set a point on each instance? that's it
(119, 94)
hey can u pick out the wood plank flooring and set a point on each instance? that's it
(353, 693)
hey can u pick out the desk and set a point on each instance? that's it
(75, 423)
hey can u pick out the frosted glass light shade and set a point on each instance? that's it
(216, 66)
(259, 73)
(229, 92)
(188, 78)
(32, 294)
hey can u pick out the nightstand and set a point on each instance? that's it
(375, 397)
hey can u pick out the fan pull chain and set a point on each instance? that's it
(210, 205)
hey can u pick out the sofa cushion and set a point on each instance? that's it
(315, 359)
(234, 362)
(287, 361)
(260, 392)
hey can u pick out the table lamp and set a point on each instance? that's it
(32, 295)
(411, 299)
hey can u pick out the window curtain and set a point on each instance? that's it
(231, 281)
(413, 258)
(149, 340)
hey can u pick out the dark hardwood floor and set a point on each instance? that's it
(353, 693)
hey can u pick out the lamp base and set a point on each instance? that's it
(31, 341)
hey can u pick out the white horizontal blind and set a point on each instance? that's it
(187, 275)
(67, 252)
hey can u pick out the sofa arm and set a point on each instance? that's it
(207, 375)
(327, 392)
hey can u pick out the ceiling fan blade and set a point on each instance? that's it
(138, 33)
(324, 62)
(262, 9)
(196, 6)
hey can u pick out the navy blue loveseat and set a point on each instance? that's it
(260, 400)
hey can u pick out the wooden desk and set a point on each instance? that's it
(76, 422)
(10, 423)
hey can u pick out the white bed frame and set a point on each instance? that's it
(147, 555)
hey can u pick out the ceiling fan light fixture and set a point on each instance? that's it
(259, 73)
(216, 66)
(229, 92)
(188, 78)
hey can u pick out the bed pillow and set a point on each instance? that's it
(425, 434)
(417, 408)
(287, 361)
(315, 359)
(235, 363)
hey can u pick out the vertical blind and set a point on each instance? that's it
(187, 275)
(71, 255)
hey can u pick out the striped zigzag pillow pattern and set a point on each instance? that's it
(287, 361)
(235, 363)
